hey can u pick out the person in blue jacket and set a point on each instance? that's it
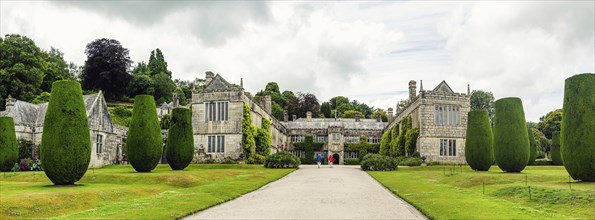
(318, 159)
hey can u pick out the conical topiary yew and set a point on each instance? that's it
(180, 140)
(555, 149)
(9, 153)
(144, 146)
(532, 147)
(479, 152)
(65, 149)
(577, 135)
(511, 140)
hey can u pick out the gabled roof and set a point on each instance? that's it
(443, 87)
(34, 114)
(219, 84)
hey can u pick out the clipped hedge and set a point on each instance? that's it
(532, 147)
(542, 162)
(282, 159)
(555, 149)
(256, 159)
(65, 143)
(180, 139)
(9, 153)
(410, 161)
(369, 147)
(511, 140)
(479, 151)
(144, 145)
(377, 162)
(578, 127)
(351, 161)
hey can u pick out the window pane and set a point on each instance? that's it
(222, 143)
(206, 111)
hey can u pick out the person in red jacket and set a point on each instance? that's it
(331, 159)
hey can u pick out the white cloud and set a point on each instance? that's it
(524, 50)
(367, 51)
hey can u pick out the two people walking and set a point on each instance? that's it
(331, 160)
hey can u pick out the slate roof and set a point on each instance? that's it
(34, 114)
(218, 84)
(346, 123)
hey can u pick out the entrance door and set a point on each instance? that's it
(336, 157)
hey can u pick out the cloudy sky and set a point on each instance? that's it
(364, 50)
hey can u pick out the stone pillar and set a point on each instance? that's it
(412, 89)
(309, 116)
(10, 102)
(266, 103)
(389, 114)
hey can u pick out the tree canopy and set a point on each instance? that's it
(481, 100)
(26, 71)
(106, 68)
(550, 123)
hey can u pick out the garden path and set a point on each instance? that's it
(343, 192)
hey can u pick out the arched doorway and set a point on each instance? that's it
(336, 158)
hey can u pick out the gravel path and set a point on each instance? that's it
(343, 192)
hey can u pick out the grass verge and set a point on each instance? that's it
(446, 192)
(118, 192)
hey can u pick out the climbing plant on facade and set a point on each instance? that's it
(248, 143)
(263, 138)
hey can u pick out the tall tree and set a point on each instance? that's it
(337, 101)
(550, 123)
(56, 69)
(21, 68)
(164, 88)
(481, 100)
(106, 68)
(308, 103)
(157, 64)
(325, 109)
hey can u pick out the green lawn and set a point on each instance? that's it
(459, 193)
(118, 192)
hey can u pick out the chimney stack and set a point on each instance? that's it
(389, 114)
(309, 116)
(294, 117)
(412, 89)
(285, 116)
(209, 76)
(358, 117)
(10, 102)
(378, 118)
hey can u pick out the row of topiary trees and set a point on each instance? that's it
(66, 143)
(512, 145)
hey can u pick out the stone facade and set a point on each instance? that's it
(334, 133)
(217, 113)
(441, 115)
(107, 139)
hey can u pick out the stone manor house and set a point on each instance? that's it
(440, 113)
(217, 113)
